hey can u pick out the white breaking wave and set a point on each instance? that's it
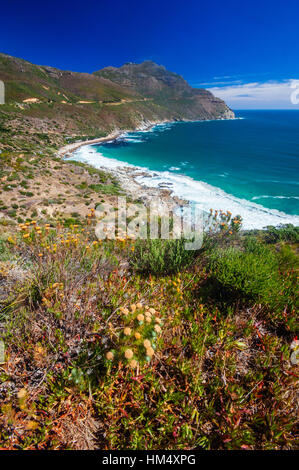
(274, 197)
(133, 140)
(88, 154)
(209, 197)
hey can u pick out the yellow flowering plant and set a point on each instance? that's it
(136, 339)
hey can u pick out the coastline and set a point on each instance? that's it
(143, 126)
(70, 148)
(173, 189)
(126, 175)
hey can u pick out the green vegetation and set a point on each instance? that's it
(178, 350)
(119, 344)
(161, 257)
(252, 273)
(287, 233)
(47, 108)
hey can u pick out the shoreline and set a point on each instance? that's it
(70, 148)
(146, 125)
(170, 188)
(126, 175)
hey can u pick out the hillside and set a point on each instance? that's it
(167, 89)
(42, 99)
(126, 343)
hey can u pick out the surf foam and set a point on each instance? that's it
(209, 197)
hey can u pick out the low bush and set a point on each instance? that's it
(249, 274)
(287, 233)
(161, 256)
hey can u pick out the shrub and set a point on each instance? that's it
(4, 250)
(69, 221)
(251, 274)
(161, 256)
(288, 259)
(288, 233)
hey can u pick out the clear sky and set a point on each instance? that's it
(246, 52)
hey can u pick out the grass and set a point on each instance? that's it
(123, 344)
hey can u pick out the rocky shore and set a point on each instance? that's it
(127, 175)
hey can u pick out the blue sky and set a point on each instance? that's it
(246, 52)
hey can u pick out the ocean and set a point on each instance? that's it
(248, 165)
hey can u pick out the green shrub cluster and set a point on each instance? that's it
(287, 233)
(246, 273)
(161, 256)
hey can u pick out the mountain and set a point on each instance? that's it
(168, 90)
(59, 104)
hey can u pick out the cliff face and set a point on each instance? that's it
(167, 89)
(57, 103)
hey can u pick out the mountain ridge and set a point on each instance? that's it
(64, 104)
(163, 86)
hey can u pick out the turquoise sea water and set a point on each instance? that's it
(249, 164)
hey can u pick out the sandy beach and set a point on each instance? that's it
(70, 148)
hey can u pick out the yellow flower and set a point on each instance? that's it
(140, 317)
(133, 364)
(22, 393)
(110, 355)
(127, 331)
(139, 305)
(133, 307)
(150, 352)
(26, 235)
(129, 354)
(31, 425)
(158, 320)
(147, 343)
(124, 310)
(157, 328)
(137, 335)
(152, 310)
(148, 319)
